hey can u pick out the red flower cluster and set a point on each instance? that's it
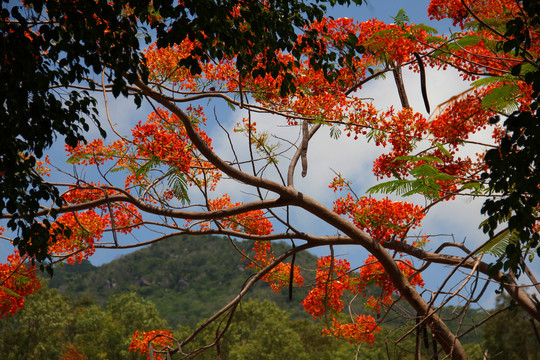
(251, 222)
(382, 219)
(279, 276)
(163, 65)
(73, 234)
(361, 330)
(334, 278)
(160, 340)
(461, 118)
(158, 139)
(161, 140)
(77, 243)
(329, 287)
(372, 273)
(455, 9)
(17, 280)
(95, 152)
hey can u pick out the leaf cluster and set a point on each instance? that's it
(425, 180)
(514, 166)
(48, 46)
(511, 335)
(514, 172)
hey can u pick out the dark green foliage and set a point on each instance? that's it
(514, 167)
(50, 324)
(40, 62)
(189, 278)
(260, 330)
(514, 172)
(47, 46)
(46, 315)
(511, 335)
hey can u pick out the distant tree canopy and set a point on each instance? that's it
(53, 325)
(513, 335)
(188, 278)
(56, 326)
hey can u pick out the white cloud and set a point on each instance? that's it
(351, 158)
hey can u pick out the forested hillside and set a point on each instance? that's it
(188, 278)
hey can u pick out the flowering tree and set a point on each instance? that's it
(49, 46)
(165, 175)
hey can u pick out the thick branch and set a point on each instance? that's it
(296, 157)
(401, 87)
(179, 214)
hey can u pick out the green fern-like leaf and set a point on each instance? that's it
(426, 28)
(378, 34)
(375, 134)
(178, 185)
(497, 245)
(335, 132)
(117, 169)
(434, 39)
(501, 97)
(401, 18)
(21, 280)
(475, 187)
(431, 172)
(443, 150)
(492, 80)
(146, 167)
(527, 68)
(233, 108)
(492, 22)
(405, 188)
(77, 158)
(485, 81)
(399, 187)
(414, 158)
(465, 41)
(73, 159)
(10, 292)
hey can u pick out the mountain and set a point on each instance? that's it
(187, 277)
